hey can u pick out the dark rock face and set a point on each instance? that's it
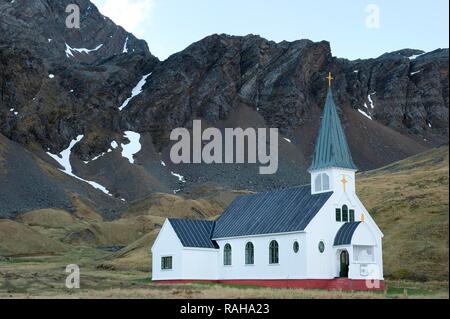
(58, 95)
(23, 185)
(211, 77)
(28, 183)
(41, 26)
(285, 82)
(408, 88)
(57, 83)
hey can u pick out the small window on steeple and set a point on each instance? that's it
(322, 182)
(318, 183)
(325, 182)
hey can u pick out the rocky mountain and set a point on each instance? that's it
(86, 113)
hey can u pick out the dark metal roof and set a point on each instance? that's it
(273, 212)
(194, 233)
(345, 233)
(331, 146)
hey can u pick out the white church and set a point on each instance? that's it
(312, 236)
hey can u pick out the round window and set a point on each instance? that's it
(321, 246)
(296, 246)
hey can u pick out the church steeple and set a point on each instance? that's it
(332, 168)
(331, 146)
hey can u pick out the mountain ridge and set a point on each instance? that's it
(391, 107)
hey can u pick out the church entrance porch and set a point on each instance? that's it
(344, 264)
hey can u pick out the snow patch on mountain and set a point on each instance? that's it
(69, 50)
(364, 113)
(180, 177)
(125, 49)
(132, 148)
(114, 145)
(63, 159)
(369, 97)
(136, 91)
(415, 56)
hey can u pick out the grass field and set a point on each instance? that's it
(44, 277)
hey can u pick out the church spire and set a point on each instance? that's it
(331, 146)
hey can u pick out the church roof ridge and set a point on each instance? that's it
(254, 214)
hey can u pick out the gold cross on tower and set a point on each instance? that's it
(329, 78)
(343, 181)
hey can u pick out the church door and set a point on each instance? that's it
(344, 264)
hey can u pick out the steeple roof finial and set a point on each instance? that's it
(331, 147)
(329, 78)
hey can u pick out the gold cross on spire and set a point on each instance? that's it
(329, 78)
(344, 181)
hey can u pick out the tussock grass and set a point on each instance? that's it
(20, 240)
(409, 201)
(51, 218)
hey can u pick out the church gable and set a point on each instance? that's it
(280, 211)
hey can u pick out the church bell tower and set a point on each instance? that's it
(332, 168)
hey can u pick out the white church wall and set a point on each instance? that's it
(369, 232)
(324, 228)
(363, 235)
(291, 265)
(167, 244)
(200, 263)
(322, 265)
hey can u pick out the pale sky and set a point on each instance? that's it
(355, 28)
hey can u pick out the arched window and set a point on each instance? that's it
(318, 183)
(325, 182)
(345, 213)
(273, 252)
(227, 255)
(249, 254)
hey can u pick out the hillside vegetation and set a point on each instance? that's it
(409, 201)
